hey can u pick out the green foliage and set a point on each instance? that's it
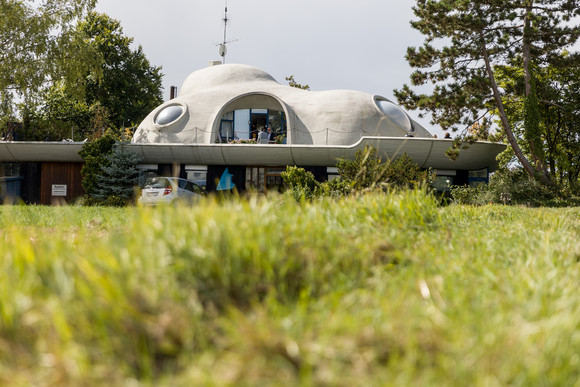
(558, 116)
(377, 289)
(465, 41)
(403, 172)
(511, 187)
(293, 83)
(118, 93)
(95, 156)
(532, 132)
(367, 171)
(301, 183)
(127, 74)
(36, 42)
(118, 178)
(336, 188)
(477, 196)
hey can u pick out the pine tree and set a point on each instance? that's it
(95, 155)
(117, 180)
(465, 40)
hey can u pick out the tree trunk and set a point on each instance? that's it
(503, 116)
(540, 166)
(526, 51)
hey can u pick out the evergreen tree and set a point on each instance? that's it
(117, 179)
(464, 42)
(95, 155)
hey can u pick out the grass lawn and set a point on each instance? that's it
(376, 290)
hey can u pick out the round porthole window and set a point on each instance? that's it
(169, 114)
(396, 114)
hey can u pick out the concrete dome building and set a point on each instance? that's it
(225, 102)
(215, 121)
(214, 132)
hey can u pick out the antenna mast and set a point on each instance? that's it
(223, 49)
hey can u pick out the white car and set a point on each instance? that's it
(159, 190)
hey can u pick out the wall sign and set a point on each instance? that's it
(59, 190)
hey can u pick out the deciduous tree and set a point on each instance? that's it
(558, 112)
(465, 40)
(126, 88)
(130, 87)
(39, 43)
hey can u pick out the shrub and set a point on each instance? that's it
(521, 188)
(336, 188)
(509, 187)
(403, 172)
(301, 183)
(367, 171)
(480, 195)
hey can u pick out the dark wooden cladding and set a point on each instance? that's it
(68, 174)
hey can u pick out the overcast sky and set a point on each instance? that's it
(329, 45)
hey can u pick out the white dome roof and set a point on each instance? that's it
(223, 75)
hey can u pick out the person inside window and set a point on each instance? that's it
(271, 136)
(262, 136)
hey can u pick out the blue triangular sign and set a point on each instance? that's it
(225, 182)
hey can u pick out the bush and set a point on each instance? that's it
(365, 171)
(509, 187)
(336, 188)
(403, 172)
(301, 183)
(368, 171)
(477, 196)
(521, 188)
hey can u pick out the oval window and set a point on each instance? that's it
(396, 114)
(169, 114)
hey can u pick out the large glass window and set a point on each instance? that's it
(478, 177)
(277, 121)
(395, 114)
(258, 121)
(169, 114)
(241, 124)
(227, 127)
(443, 183)
(198, 176)
(247, 123)
(264, 179)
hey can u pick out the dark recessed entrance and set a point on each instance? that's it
(258, 121)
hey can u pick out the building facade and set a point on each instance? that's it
(235, 124)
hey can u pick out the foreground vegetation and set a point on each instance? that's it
(385, 289)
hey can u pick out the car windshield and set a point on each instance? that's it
(157, 182)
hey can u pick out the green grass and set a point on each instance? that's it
(376, 290)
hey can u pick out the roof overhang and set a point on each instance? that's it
(426, 152)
